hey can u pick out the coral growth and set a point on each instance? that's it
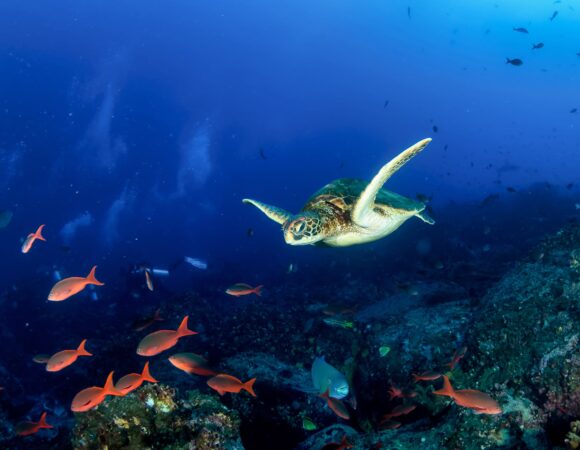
(155, 417)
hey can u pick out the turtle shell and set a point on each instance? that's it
(342, 194)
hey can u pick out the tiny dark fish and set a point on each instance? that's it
(262, 154)
(573, 110)
(578, 54)
(445, 147)
(553, 16)
(250, 232)
(569, 185)
(514, 62)
(511, 189)
(538, 45)
(435, 129)
(520, 30)
(386, 104)
(423, 198)
(409, 12)
(489, 199)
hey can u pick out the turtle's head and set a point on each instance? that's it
(303, 229)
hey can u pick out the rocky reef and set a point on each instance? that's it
(520, 333)
(522, 349)
(156, 417)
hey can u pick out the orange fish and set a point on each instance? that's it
(148, 280)
(395, 392)
(161, 340)
(457, 355)
(65, 358)
(342, 445)
(397, 411)
(41, 359)
(239, 289)
(336, 405)
(91, 397)
(426, 376)
(27, 245)
(132, 381)
(223, 383)
(27, 428)
(192, 364)
(389, 425)
(71, 286)
(146, 322)
(478, 401)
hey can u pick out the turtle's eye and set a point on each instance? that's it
(299, 227)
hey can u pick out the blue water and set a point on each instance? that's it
(133, 129)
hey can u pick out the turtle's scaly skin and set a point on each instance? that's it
(349, 211)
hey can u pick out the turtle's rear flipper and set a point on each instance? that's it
(274, 213)
(425, 217)
(362, 213)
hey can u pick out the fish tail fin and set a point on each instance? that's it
(508, 61)
(38, 234)
(81, 350)
(42, 422)
(183, 330)
(249, 386)
(258, 290)
(109, 388)
(91, 279)
(447, 389)
(146, 375)
(326, 394)
(157, 315)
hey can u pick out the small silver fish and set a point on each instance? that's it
(292, 268)
(197, 263)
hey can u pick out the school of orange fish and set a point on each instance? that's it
(159, 341)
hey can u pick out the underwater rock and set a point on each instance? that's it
(421, 339)
(573, 437)
(526, 338)
(333, 433)
(454, 433)
(155, 417)
(419, 293)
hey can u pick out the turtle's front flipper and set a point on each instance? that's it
(363, 209)
(278, 215)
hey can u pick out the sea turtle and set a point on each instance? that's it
(350, 211)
